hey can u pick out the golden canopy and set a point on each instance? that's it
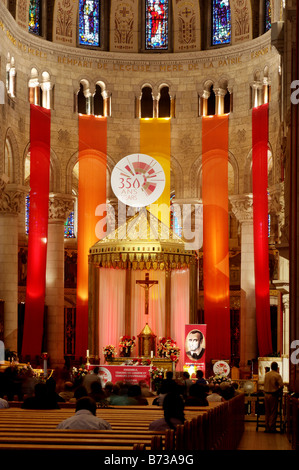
(143, 242)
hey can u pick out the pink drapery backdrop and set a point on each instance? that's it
(112, 288)
(179, 309)
(156, 315)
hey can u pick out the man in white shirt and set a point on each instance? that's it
(273, 386)
(85, 417)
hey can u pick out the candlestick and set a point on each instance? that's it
(152, 354)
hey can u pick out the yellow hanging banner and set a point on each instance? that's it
(155, 142)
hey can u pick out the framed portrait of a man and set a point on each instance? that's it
(195, 343)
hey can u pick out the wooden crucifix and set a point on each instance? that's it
(146, 284)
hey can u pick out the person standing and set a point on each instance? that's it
(273, 386)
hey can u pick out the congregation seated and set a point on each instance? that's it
(51, 387)
(68, 391)
(186, 383)
(197, 395)
(85, 417)
(168, 385)
(215, 393)
(41, 400)
(3, 403)
(134, 391)
(173, 407)
(145, 390)
(120, 396)
(200, 378)
(227, 391)
(79, 392)
(98, 394)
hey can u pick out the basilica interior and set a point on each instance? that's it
(210, 58)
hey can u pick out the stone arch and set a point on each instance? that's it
(247, 189)
(10, 136)
(71, 165)
(176, 178)
(55, 170)
(196, 176)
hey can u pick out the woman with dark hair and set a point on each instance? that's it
(173, 406)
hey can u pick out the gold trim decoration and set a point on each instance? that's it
(143, 242)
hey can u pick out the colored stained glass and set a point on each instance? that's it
(221, 22)
(267, 15)
(34, 17)
(69, 226)
(156, 29)
(89, 22)
(27, 205)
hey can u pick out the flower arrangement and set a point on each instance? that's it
(79, 373)
(156, 373)
(109, 351)
(167, 348)
(126, 341)
(219, 379)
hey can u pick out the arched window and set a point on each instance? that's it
(98, 101)
(146, 103)
(46, 91)
(267, 15)
(34, 25)
(27, 207)
(211, 102)
(10, 76)
(175, 218)
(84, 98)
(221, 22)
(164, 105)
(69, 226)
(156, 24)
(34, 88)
(8, 161)
(89, 22)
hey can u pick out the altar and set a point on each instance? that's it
(159, 362)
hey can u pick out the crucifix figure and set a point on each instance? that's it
(146, 284)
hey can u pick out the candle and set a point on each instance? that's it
(87, 353)
(152, 354)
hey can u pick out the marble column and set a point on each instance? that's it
(60, 205)
(10, 202)
(242, 208)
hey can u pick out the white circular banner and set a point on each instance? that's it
(221, 368)
(138, 180)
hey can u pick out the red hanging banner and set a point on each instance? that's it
(260, 227)
(215, 235)
(40, 128)
(91, 193)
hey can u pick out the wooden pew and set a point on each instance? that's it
(206, 428)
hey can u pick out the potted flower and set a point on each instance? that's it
(156, 375)
(167, 348)
(125, 344)
(109, 352)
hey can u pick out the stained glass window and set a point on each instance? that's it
(69, 226)
(221, 22)
(27, 205)
(156, 28)
(34, 16)
(267, 15)
(89, 22)
(174, 220)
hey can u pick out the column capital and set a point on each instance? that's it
(60, 205)
(242, 207)
(11, 197)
